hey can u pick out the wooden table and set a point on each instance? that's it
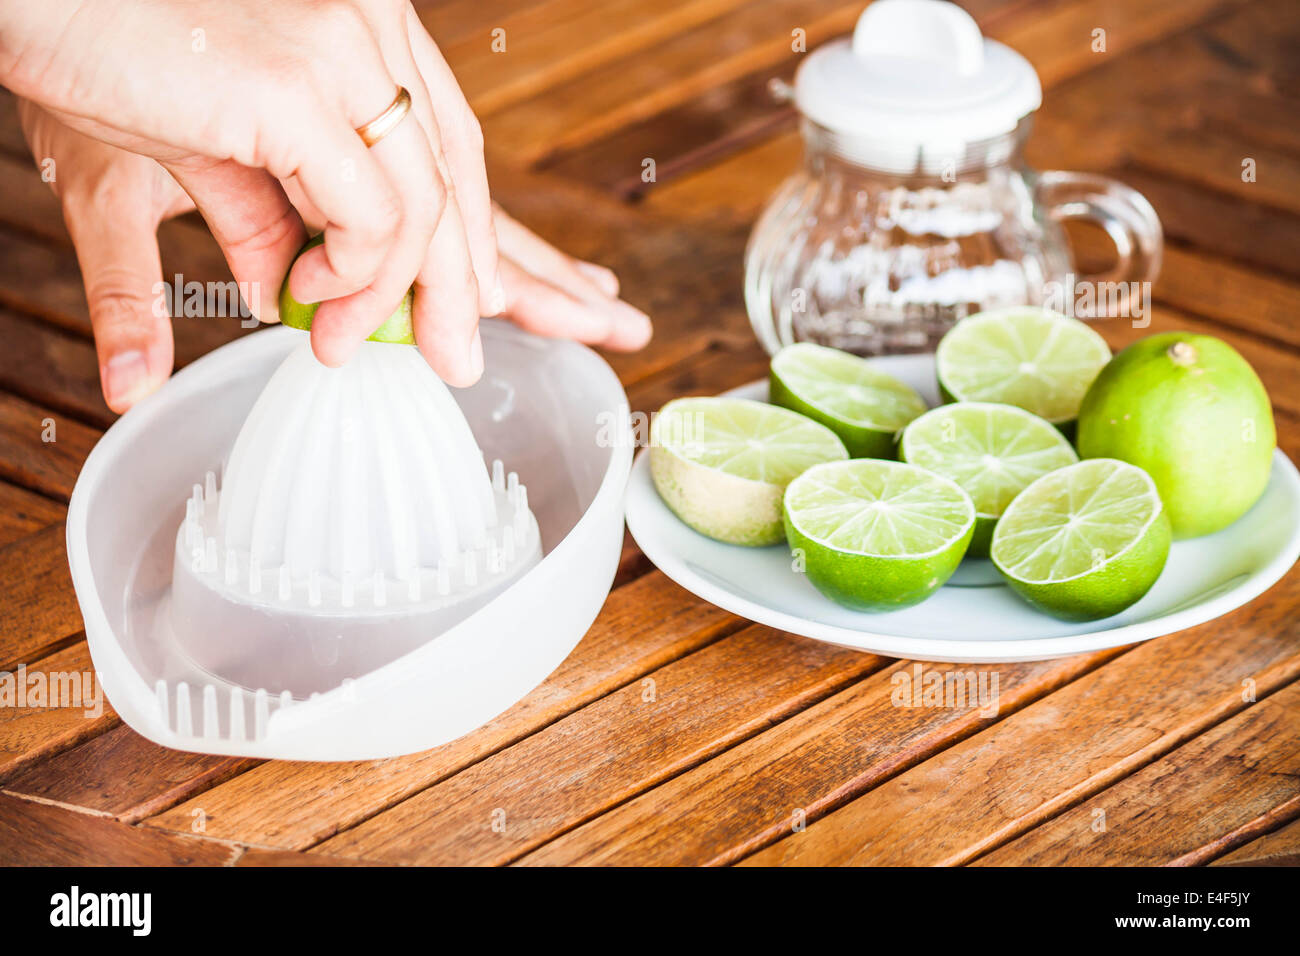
(677, 733)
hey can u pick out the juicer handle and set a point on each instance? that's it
(1127, 218)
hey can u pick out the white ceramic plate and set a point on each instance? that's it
(973, 617)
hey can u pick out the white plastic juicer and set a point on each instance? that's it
(276, 559)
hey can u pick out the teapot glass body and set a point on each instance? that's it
(854, 254)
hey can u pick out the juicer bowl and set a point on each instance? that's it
(554, 410)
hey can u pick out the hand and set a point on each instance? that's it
(237, 97)
(113, 202)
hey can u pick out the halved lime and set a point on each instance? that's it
(993, 451)
(1034, 358)
(397, 328)
(1085, 541)
(863, 405)
(877, 535)
(722, 464)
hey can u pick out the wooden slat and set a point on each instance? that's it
(1058, 40)
(1279, 848)
(1218, 225)
(1059, 751)
(259, 857)
(30, 734)
(1199, 156)
(43, 278)
(26, 459)
(750, 795)
(540, 53)
(449, 21)
(120, 774)
(36, 834)
(40, 606)
(11, 131)
(608, 752)
(1239, 296)
(608, 98)
(706, 129)
(1274, 366)
(736, 188)
(644, 625)
(23, 513)
(1220, 790)
(50, 367)
(686, 279)
(713, 371)
(739, 115)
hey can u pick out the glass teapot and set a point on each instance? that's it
(914, 207)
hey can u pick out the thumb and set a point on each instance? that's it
(117, 248)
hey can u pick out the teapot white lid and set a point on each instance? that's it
(917, 73)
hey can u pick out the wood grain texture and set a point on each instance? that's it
(32, 733)
(610, 97)
(611, 750)
(747, 725)
(40, 606)
(644, 625)
(1059, 751)
(788, 776)
(1214, 793)
(27, 459)
(69, 371)
(122, 775)
(23, 512)
(37, 834)
(1281, 847)
(256, 856)
(612, 32)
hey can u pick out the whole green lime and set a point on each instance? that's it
(397, 327)
(1191, 412)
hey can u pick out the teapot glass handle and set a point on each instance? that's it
(1123, 213)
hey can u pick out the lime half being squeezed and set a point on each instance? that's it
(397, 328)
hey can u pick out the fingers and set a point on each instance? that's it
(580, 279)
(461, 140)
(544, 309)
(252, 220)
(574, 299)
(117, 248)
(445, 310)
(342, 323)
(362, 209)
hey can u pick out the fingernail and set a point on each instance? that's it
(126, 378)
(637, 323)
(476, 355)
(604, 278)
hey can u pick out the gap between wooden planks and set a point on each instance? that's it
(1214, 793)
(605, 101)
(1047, 758)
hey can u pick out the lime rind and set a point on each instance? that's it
(1026, 356)
(862, 507)
(846, 387)
(722, 464)
(1121, 505)
(992, 450)
(746, 439)
(877, 535)
(863, 405)
(397, 329)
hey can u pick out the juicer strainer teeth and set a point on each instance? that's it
(388, 676)
(238, 715)
(509, 538)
